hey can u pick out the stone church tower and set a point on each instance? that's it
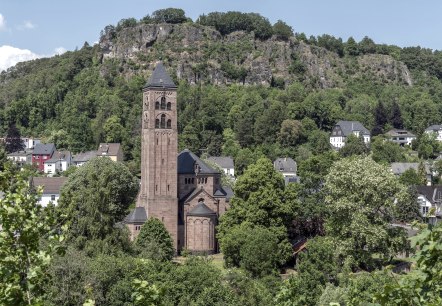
(181, 190)
(159, 145)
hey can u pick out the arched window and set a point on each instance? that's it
(169, 106)
(163, 103)
(157, 105)
(163, 121)
(157, 123)
(169, 124)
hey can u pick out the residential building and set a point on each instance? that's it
(181, 190)
(60, 161)
(111, 150)
(430, 197)
(81, 158)
(30, 142)
(225, 163)
(21, 158)
(437, 129)
(51, 188)
(399, 168)
(343, 129)
(42, 152)
(287, 167)
(401, 137)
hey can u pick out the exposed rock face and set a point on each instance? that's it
(201, 54)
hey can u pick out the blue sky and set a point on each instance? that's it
(35, 28)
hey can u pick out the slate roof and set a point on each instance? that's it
(434, 128)
(399, 133)
(51, 185)
(44, 149)
(21, 153)
(160, 78)
(109, 149)
(59, 155)
(348, 127)
(225, 162)
(292, 179)
(229, 192)
(285, 164)
(84, 156)
(138, 215)
(201, 209)
(432, 193)
(399, 168)
(186, 164)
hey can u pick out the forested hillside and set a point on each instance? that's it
(245, 87)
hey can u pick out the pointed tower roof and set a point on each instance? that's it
(160, 78)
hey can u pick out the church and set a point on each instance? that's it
(181, 190)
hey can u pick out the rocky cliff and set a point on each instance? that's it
(201, 54)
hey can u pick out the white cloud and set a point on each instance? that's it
(59, 51)
(26, 25)
(10, 56)
(2, 23)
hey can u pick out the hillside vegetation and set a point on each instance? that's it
(246, 87)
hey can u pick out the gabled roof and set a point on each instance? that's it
(348, 127)
(225, 162)
(44, 149)
(108, 149)
(51, 185)
(84, 156)
(21, 153)
(138, 215)
(59, 155)
(160, 78)
(285, 164)
(399, 168)
(432, 193)
(201, 209)
(434, 128)
(187, 161)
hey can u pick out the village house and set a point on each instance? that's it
(51, 188)
(225, 163)
(81, 158)
(41, 153)
(399, 168)
(436, 129)
(401, 137)
(343, 129)
(21, 158)
(288, 168)
(111, 150)
(430, 197)
(59, 162)
(30, 142)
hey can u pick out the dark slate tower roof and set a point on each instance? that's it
(187, 161)
(201, 209)
(138, 215)
(160, 78)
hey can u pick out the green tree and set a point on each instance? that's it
(290, 133)
(154, 241)
(13, 141)
(385, 151)
(427, 146)
(28, 241)
(94, 199)
(360, 198)
(396, 116)
(407, 206)
(410, 177)
(282, 30)
(351, 47)
(354, 145)
(169, 15)
(380, 117)
(114, 130)
(146, 294)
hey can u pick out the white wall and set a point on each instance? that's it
(46, 198)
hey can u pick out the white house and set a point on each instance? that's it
(21, 157)
(401, 137)
(59, 162)
(51, 188)
(30, 142)
(343, 129)
(224, 162)
(437, 129)
(429, 197)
